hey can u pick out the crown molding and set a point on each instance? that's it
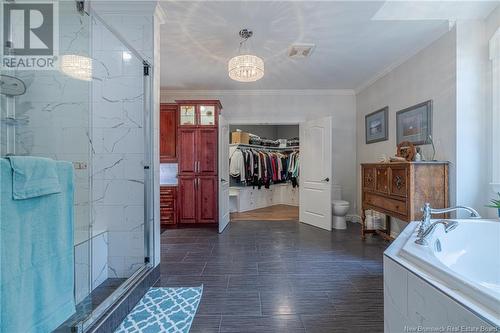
(263, 92)
(395, 65)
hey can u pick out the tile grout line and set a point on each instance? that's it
(203, 270)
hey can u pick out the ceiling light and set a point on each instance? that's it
(126, 55)
(246, 67)
(77, 67)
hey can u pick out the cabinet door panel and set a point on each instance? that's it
(186, 195)
(207, 151)
(187, 115)
(207, 115)
(187, 150)
(207, 199)
(369, 178)
(382, 180)
(168, 133)
(399, 181)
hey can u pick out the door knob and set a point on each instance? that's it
(326, 179)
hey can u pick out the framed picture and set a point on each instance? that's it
(376, 126)
(414, 124)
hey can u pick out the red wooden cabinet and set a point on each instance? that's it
(187, 199)
(207, 151)
(206, 190)
(197, 147)
(168, 132)
(188, 150)
(168, 205)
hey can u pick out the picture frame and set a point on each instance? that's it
(377, 126)
(414, 124)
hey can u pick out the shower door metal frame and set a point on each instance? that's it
(117, 296)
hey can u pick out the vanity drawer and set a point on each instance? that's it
(167, 218)
(388, 204)
(168, 205)
(167, 191)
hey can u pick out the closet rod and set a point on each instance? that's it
(244, 145)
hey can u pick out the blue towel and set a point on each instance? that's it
(33, 177)
(37, 264)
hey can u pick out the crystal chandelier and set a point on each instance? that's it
(246, 67)
(76, 66)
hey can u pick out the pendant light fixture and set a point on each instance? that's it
(245, 67)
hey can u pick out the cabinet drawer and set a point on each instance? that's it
(388, 204)
(167, 191)
(167, 204)
(399, 181)
(369, 178)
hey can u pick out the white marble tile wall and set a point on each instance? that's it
(118, 151)
(99, 259)
(82, 270)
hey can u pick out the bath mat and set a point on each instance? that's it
(163, 310)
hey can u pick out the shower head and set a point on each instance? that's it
(11, 86)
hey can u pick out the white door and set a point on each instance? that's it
(316, 173)
(223, 173)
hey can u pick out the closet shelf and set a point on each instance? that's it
(244, 145)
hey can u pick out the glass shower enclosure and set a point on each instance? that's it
(94, 110)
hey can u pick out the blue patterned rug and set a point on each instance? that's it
(163, 310)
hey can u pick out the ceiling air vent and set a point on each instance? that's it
(300, 50)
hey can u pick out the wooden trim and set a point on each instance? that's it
(215, 102)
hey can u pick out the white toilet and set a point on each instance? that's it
(339, 208)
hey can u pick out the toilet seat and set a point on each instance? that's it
(340, 203)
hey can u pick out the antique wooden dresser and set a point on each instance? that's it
(400, 190)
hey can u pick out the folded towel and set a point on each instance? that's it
(33, 177)
(37, 256)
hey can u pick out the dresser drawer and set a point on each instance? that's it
(388, 204)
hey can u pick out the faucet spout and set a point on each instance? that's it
(448, 226)
(428, 211)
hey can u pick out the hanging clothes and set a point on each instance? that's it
(264, 167)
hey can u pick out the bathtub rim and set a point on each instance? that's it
(393, 252)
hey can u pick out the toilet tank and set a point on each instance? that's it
(336, 192)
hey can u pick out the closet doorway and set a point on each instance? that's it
(264, 168)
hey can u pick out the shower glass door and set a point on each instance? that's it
(92, 110)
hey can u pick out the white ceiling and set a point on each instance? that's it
(354, 40)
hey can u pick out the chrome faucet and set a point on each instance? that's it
(428, 211)
(449, 225)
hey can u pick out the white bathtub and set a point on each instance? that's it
(465, 260)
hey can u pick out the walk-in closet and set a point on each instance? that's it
(264, 169)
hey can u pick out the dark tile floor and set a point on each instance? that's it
(269, 276)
